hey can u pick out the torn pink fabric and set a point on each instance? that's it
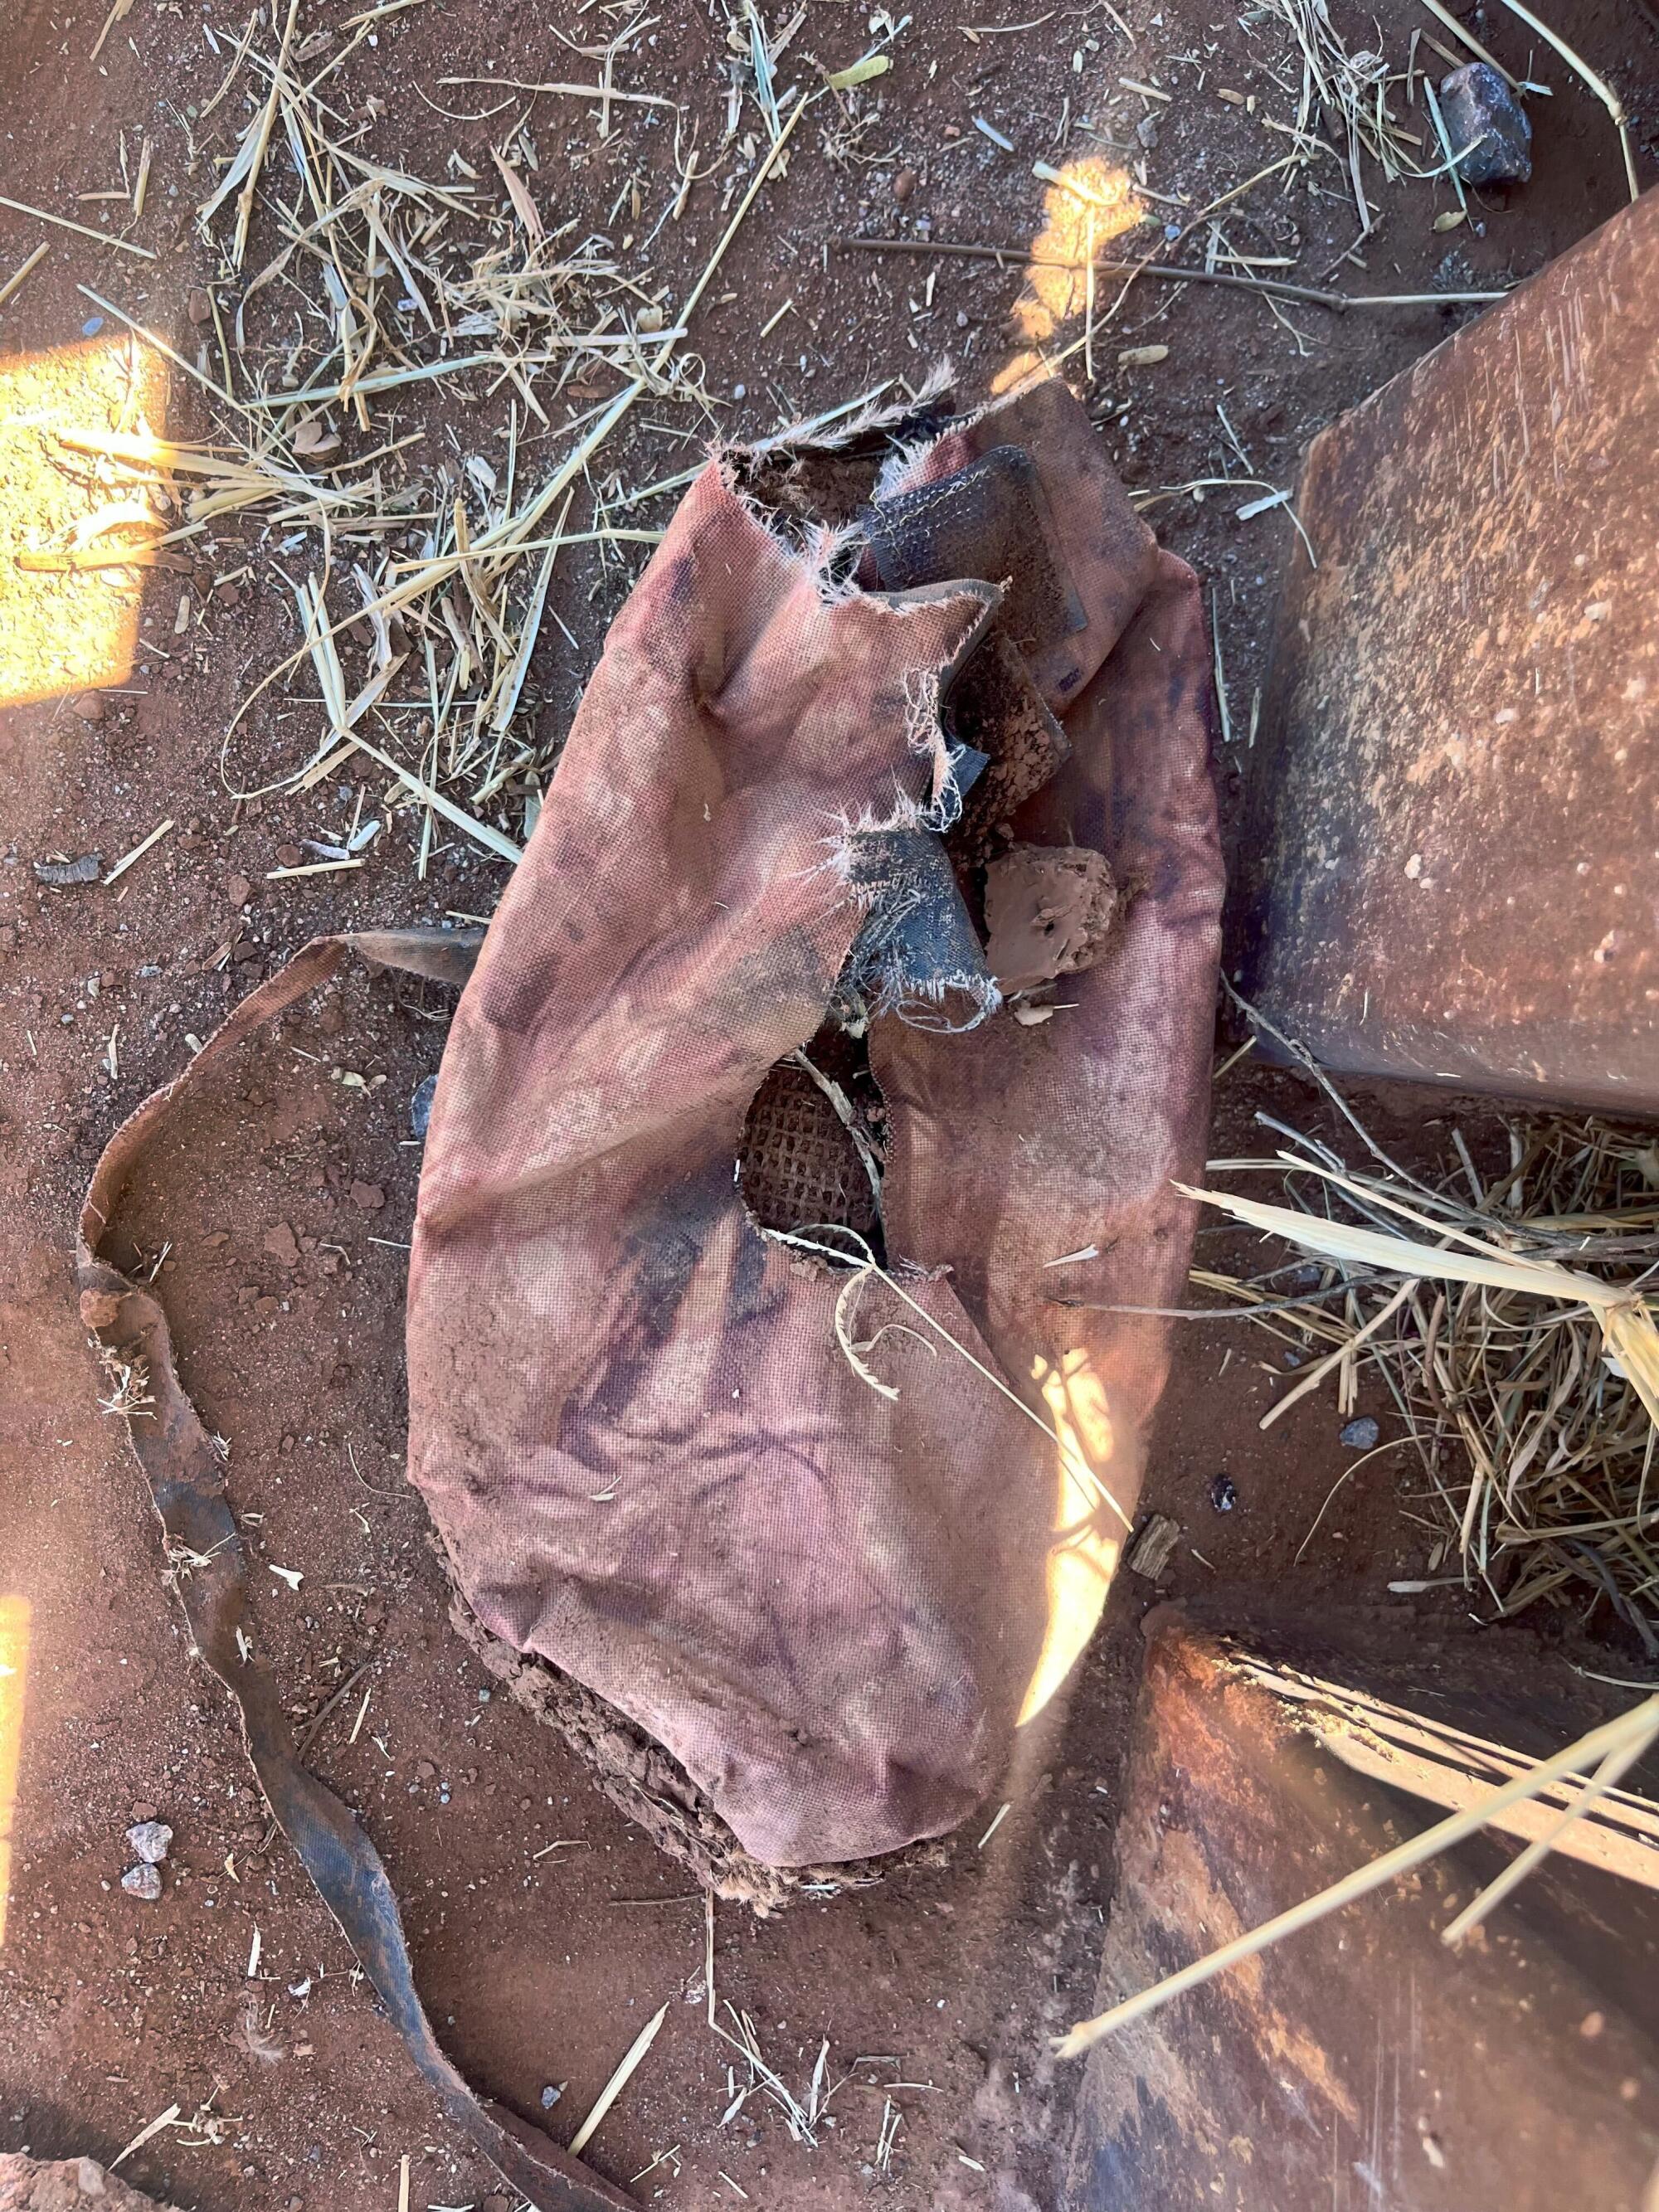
(649, 1455)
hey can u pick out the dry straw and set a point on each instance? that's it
(1510, 1316)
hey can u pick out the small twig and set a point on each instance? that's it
(18, 275)
(1337, 302)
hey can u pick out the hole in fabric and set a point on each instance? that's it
(801, 1165)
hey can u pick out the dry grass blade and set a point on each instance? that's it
(1636, 1728)
(506, 703)
(618, 2081)
(259, 140)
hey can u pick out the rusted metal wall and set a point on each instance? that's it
(1452, 849)
(1360, 2064)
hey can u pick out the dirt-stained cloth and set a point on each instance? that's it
(830, 1563)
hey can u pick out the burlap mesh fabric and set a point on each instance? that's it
(633, 1414)
(798, 1164)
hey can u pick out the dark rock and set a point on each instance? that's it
(1478, 105)
(903, 184)
(1361, 1435)
(1223, 1493)
(62, 874)
(420, 1106)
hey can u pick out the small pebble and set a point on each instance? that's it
(903, 184)
(92, 325)
(551, 2095)
(1146, 132)
(144, 1882)
(740, 391)
(1223, 1493)
(420, 1106)
(150, 1840)
(1361, 1435)
(89, 706)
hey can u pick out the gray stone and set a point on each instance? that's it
(150, 1840)
(1361, 1435)
(144, 1882)
(420, 1106)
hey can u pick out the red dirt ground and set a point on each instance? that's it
(546, 1930)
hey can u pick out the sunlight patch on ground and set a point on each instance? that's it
(14, 1664)
(1090, 204)
(63, 627)
(1084, 1556)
